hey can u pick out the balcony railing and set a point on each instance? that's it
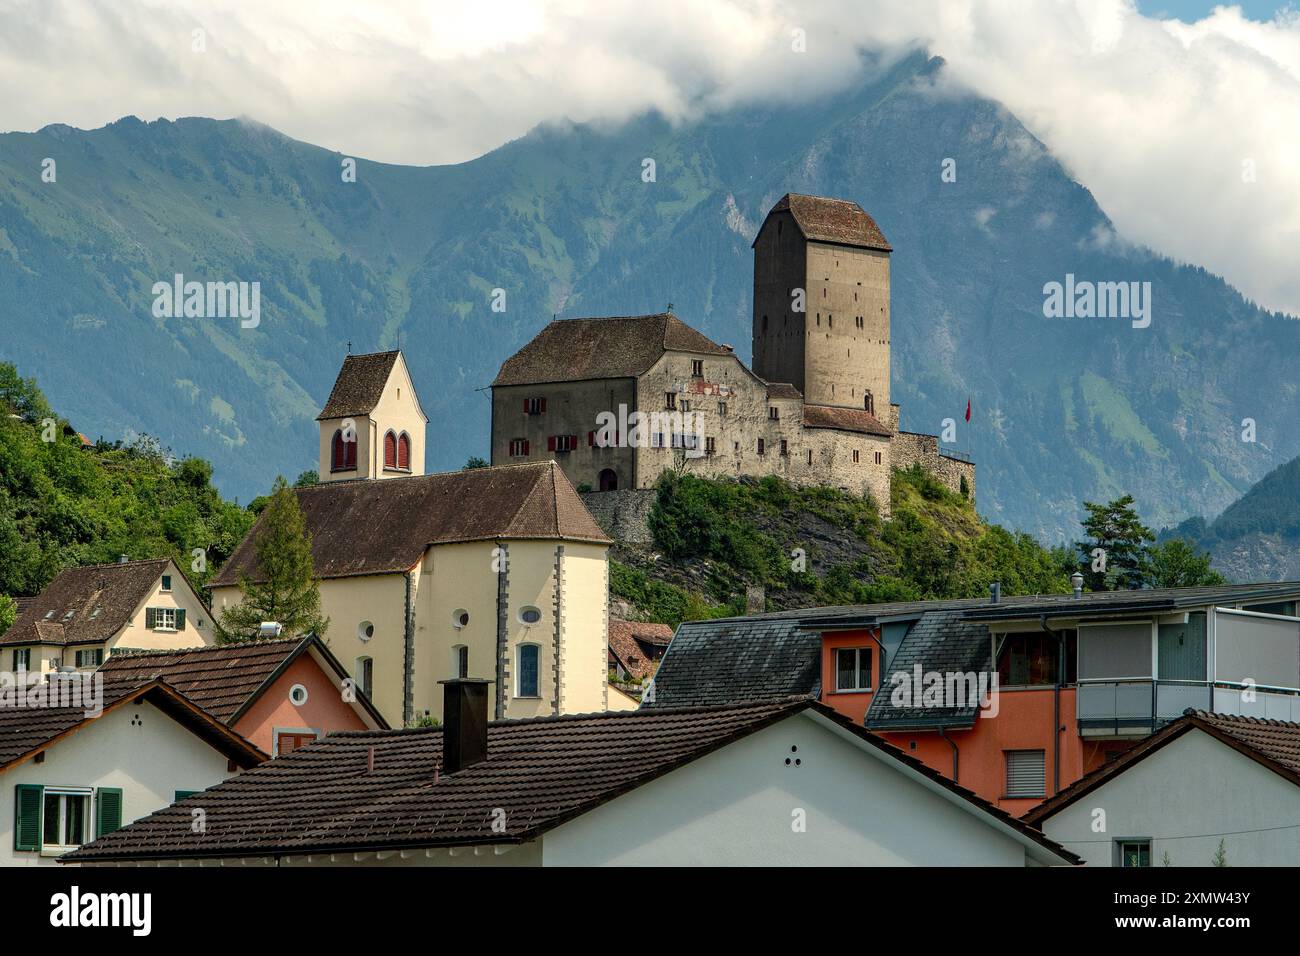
(1137, 705)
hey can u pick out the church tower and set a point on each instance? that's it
(372, 426)
(821, 303)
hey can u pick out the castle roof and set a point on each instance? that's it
(832, 220)
(574, 350)
(385, 526)
(844, 419)
(360, 385)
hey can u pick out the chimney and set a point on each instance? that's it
(755, 599)
(123, 559)
(1076, 582)
(995, 592)
(464, 723)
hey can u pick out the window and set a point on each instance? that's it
(528, 654)
(365, 631)
(1026, 773)
(404, 451)
(1133, 853)
(518, 447)
(670, 400)
(773, 413)
(459, 618)
(460, 661)
(722, 408)
(365, 674)
(287, 741)
(869, 403)
(297, 695)
(761, 446)
(856, 456)
(685, 405)
(697, 368)
(810, 456)
(390, 449)
(534, 406)
(710, 446)
(64, 819)
(853, 668)
(166, 582)
(785, 449)
(529, 615)
(343, 456)
(164, 618)
(22, 658)
(878, 458)
(1031, 660)
(562, 443)
(92, 657)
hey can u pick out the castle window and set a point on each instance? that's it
(390, 449)
(343, 455)
(685, 405)
(710, 446)
(722, 408)
(534, 406)
(809, 456)
(697, 368)
(877, 458)
(859, 322)
(761, 447)
(773, 413)
(404, 451)
(562, 443)
(518, 447)
(785, 449)
(830, 319)
(869, 402)
(856, 456)
(670, 400)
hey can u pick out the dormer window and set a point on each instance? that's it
(343, 455)
(166, 582)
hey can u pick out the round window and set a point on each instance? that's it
(529, 615)
(298, 695)
(365, 631)
(460, 618)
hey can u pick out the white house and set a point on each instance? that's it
(777, 782)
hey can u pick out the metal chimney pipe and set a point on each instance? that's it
(995, 592)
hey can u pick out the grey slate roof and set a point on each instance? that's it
(715, 663)
(940, 641)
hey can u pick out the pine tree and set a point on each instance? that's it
(1116, 530)
(288, 591)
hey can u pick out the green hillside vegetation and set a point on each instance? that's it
(821, 546)
(63, 505)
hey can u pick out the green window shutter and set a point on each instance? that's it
(108, 810)
(180, 619)
(151, 617)
(182, 794)
(29, 798)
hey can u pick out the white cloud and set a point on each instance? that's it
(1156, 117)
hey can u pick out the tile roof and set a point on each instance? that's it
(637, 645)
(221, 679)
(27, 730)
(832, 220)
(844, 419)
(939, 641)
(360, 385)
(783, 391)
(720, 662)
(1273, 743)
(541, 772)
(381, 527)
(86, 605)
(571, 350)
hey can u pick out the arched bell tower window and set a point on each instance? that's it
(390, 449)
(404, 451)
(343, 453)
(869, 402)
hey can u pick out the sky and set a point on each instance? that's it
(1181, 116)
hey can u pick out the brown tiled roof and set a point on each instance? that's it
(86, 605)
(843, 419)
(782, 390)
(221, 679)
(637, 645)
(540, 772)
(832, 220)
(23, 604)
(1273, 743)
(384, 526)
(360, 385)
(27, 730)
(572, 350)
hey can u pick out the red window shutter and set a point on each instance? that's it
(390, 450)
(525, 446)
(591, 439)
(543, 405)
(525, 406)
(351, 447)
(573, 441)
(550, 443)
(337, 454)
(404, 451)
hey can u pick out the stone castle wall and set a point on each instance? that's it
(911, 448)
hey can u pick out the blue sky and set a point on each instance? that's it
(1191, 10)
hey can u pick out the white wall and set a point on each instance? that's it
(149, 761)
(1185, 797)
(735, 807)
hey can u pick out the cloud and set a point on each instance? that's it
(1187, 133)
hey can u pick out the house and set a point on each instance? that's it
(278, 695)
(69, 774)
(486, 572)
(1015, 698)
(86, 614)
(1206, 786)
(814, 409)
(635, 649)
(781, 782)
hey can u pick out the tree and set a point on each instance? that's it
(8, 612)
(307, 479)
(288, 591)
(1177, 563)
(475, 462)
(1122, 537)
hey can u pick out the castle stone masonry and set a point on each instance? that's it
(815, 409)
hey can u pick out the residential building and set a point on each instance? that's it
(68, 776)
(1206, 788)
(1080, 678)
(87, 614)
(278, 695)
(814, 409)
(635, 649)
(785, 782)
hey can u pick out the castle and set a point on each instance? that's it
(815, 408)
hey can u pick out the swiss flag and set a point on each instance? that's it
(968, 409)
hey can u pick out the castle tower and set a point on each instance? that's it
(836, 350)
(372, 426)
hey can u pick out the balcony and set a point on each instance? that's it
(1126, 708)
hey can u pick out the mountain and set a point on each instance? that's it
(561, 219)
(1257, 537)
